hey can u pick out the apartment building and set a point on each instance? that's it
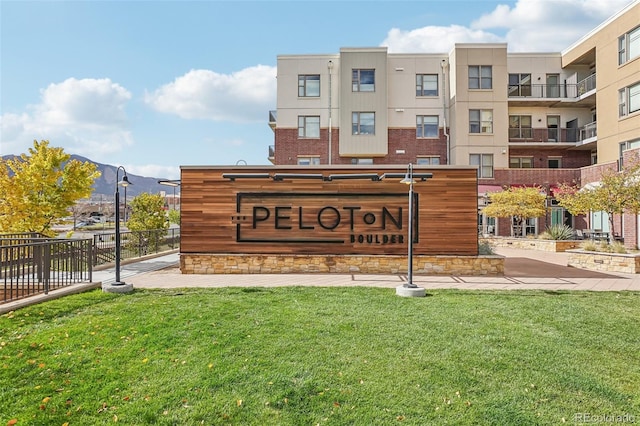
(538, 118)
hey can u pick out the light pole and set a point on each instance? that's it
(119, 286)
(329, 68)
(410, 289)
(173, 183)
(124, 183)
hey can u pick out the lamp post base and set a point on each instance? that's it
(117, 287)
(406, 291)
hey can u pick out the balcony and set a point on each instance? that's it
(532, 176)
(272, 154)
(580, 93)
(272, 119)
(588, 136)
(555, 138)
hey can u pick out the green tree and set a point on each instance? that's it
(174, 216)
(147, 220)
(147, 212)
(38, 188)
(520, 203)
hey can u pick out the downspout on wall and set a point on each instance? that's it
(443, 64)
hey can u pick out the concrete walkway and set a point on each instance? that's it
(524, 270)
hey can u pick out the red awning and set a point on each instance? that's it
(485, 189)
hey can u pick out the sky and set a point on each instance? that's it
(155, 85)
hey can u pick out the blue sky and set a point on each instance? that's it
(153, 85)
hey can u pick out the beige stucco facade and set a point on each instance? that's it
(599, 51)
(546, 117)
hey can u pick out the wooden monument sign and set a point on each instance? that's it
(328, 212)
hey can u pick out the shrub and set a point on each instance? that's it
(618, 247)
(558, 232)
(484, 248)
(603, 247)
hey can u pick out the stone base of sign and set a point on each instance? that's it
(203, 263)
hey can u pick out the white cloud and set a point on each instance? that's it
(240, 97)
(534, 25)
(85, 117)
(531, 26)
(435, 39)
(164, 172)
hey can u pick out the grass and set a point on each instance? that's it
(307, 356)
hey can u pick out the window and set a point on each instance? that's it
(629, 100)
(520, 127)
(363, 123)
(484, 163)
(529, 226)
(363, 80)
(427, 126)
(629, 46)
(308, 126)
(519, 84)
(480, 121)
(521, 163)
(480, 77)
(624, 146)
(362, 161)
(431, 161)
(309, 85)
(554, 162)
(553, 125)
(426, 84)
(308, 161)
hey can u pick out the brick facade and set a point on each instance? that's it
(288, 147)
(570, 159)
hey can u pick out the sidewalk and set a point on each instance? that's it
(163, 272)
(524, 270)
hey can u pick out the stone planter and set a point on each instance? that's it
(605, 262)
(533, 244)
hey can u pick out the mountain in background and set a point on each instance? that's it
(106, 183)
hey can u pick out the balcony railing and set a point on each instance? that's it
(552, 91)
(587, 85)
(589, 131)
(553, 134)
(272, 151)
(273, 115)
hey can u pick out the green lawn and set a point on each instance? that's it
(307, 356)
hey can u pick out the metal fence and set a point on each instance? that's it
(134, 244)
(30, 265)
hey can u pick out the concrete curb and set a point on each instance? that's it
(54, 294)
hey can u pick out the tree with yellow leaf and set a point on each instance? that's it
(38, 188)
(615, 193)
(520, 203)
